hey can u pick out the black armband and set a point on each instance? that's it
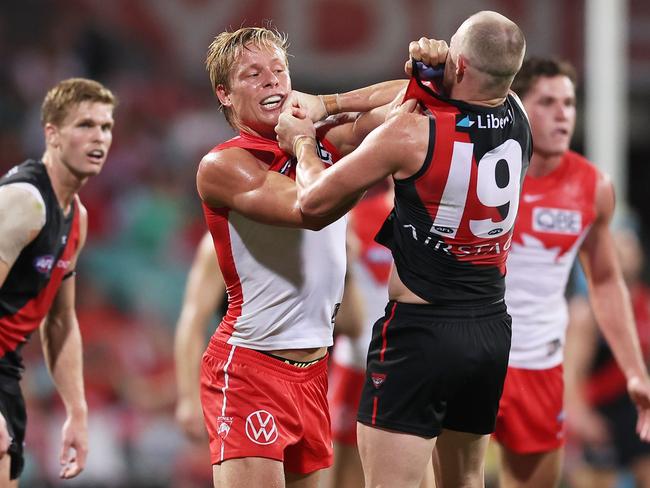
(70, 274)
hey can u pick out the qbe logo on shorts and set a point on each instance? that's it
(261, 428)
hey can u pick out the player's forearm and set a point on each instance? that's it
(611, 304)
(578, 352)
(62, 348)
(308, 173)
(363, 99)
(189, 345)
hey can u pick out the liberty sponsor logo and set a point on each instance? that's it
(557, 221)
(465, 122)
(378, 379)
(261, 428)
(491, 121)
(223, 426)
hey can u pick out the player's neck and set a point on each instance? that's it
(470, 93)
(541, 164)
(64, 183)
(260, 131)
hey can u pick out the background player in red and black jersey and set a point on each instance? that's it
(42, 229)
(437, 362)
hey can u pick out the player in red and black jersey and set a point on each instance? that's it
(438, 359)
(42, 229)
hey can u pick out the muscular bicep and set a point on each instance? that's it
(235, 179)
(598, 252)
(22, 216)
(397, 147)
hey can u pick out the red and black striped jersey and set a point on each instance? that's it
(34, 279)
(451, 227)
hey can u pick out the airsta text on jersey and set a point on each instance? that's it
(436, 244)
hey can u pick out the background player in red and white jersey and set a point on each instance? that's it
(264, 374)
(565, 209)
(438, 358)
(602, 416)
(43, 227)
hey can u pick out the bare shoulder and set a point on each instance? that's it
(225, 172)
(404, 139)
(403, 130)
(83, 212)
(23, 206)
(605, 196)
(83, 223)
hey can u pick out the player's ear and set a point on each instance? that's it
(223, 95)
(461, 66)
(51, 135)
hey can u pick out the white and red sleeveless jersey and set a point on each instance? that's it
(284, 285)
(371, 271)
(555, 214)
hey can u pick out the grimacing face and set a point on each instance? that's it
(82, 141)
(551, 107)
(259, 85)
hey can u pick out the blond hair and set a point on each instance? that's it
(71, 92)
(226, 48)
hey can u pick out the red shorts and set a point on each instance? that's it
(257, 406)
(531, 413)
(345, 392)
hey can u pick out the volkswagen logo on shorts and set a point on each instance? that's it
(261, 428)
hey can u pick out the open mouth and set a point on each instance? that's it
(272, 102)
(96, 155)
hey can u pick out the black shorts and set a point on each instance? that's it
(626, 447)
(431, 368)
(12, 406)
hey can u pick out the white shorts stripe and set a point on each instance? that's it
(225, 387)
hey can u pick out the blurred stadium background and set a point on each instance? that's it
(145, 217)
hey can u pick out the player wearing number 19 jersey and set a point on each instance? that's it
(438, 358)
(449, 233)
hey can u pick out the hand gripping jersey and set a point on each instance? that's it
(451, 227)
(555, 214)
(35, 277)
(371, 271)
(284, 285)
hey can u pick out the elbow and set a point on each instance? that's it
(312, 208)
(314, 218)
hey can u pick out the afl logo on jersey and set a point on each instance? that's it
(43, 264)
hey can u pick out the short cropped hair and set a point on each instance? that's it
(227, 46)
(534, 68)
(68, 93)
